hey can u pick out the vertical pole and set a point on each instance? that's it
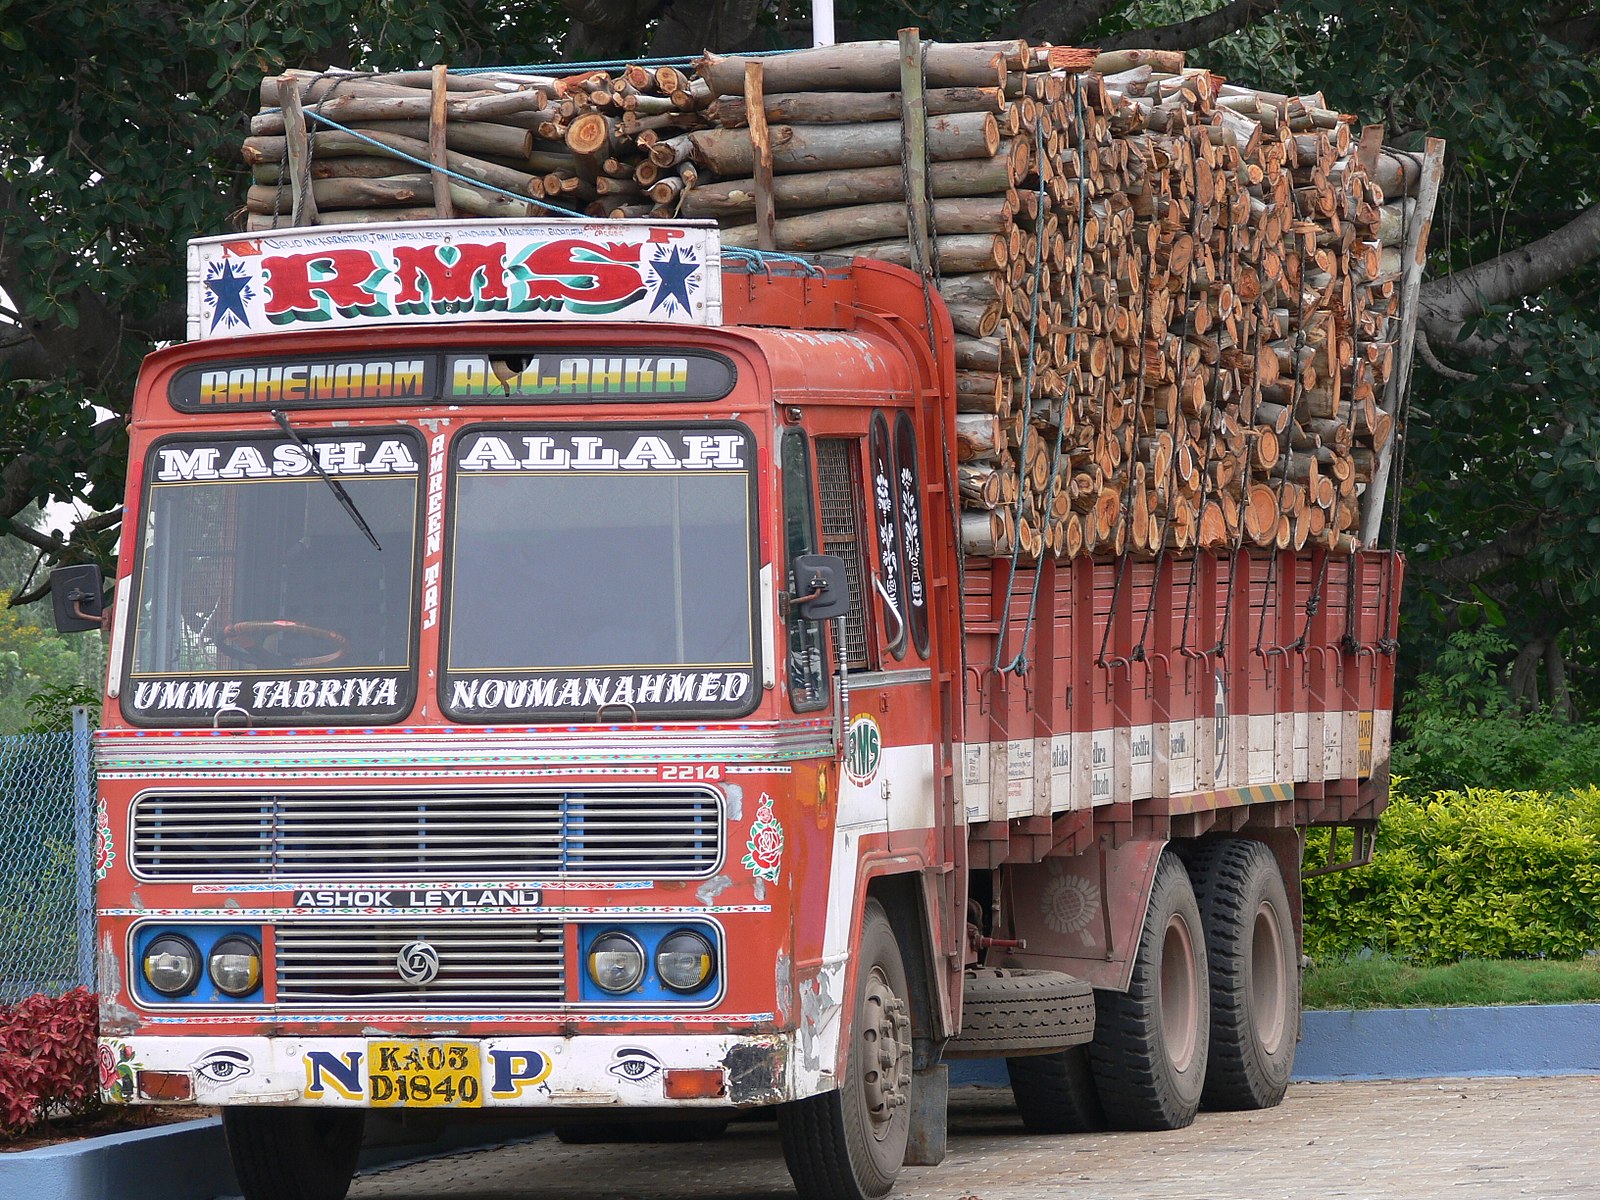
(1416, 253)
(438, 155)
(822, 22)
(755, 106)
(297, 157)
(914, 150)
(84, 837)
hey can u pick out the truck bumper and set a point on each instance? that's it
(599, 1072)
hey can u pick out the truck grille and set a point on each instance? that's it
(481, 961)
(657, 833)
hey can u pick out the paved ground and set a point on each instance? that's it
(1478, 1139)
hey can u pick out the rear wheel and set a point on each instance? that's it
(293, 1153)
(1255, 976)
(1150, 1043)
(848, 1144)
(1055, 1093)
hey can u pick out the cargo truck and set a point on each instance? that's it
(546, 678)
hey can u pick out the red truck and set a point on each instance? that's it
(545, 675)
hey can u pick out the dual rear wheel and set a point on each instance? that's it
(1210, 1017)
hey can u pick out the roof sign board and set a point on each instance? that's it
(415, 272)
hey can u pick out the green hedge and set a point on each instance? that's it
(1474, 874)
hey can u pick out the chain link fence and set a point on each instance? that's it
(46, 862)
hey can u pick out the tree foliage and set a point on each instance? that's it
(118, 128)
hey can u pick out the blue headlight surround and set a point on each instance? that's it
(651, 990)
(205, 938)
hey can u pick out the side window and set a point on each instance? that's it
(839, 476)
(806, 649)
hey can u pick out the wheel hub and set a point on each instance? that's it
(885, 1053)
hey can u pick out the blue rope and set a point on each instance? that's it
(390, 151)
(765, 258)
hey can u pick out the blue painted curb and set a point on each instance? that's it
(1417, 1043)
(1423, 1043)
(189, 1161)
(172, 1162)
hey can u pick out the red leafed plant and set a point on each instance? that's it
(47, 1059)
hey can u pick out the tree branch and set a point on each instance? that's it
(1196, 31)
(16, 478)
(1062, 21)
(90, 349)
(1520, 272)
(1472, 565)
(1426, 351)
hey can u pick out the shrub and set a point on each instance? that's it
(1457, 728)
(1474, 874)
(47, 1059)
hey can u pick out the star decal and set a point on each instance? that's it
(228, 293)
(675, 277)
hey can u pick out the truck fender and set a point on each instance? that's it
(1082, 914)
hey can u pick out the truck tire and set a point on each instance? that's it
(1055, 1093)
(1016, 1012)
(1149, 1049)
(293, 1153)
(848, 1144)
(1255, 974)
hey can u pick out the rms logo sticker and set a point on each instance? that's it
(863, 750)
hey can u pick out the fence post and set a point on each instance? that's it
(83, 826)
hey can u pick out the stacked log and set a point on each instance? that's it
(1175, 299)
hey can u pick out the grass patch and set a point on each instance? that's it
(1381, 982)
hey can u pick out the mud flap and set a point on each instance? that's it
(930, 1116)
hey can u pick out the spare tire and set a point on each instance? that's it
(1009, 1013)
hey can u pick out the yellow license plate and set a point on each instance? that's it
(425, 1074)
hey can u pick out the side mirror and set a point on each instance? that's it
(823, 587)
(78, 596)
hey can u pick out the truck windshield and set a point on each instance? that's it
(600, 573)
(260, 601)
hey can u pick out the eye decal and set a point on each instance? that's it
(635, 1064)
(223, 1066)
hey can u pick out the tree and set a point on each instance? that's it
(120, 127)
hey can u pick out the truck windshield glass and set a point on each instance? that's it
(260, 601)
(601, 573)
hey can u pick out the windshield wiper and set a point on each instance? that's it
(338, 488)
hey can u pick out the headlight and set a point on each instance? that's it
(684, 961)
(616, 962)
(235, 965)
(172, 965)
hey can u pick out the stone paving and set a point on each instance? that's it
(1478, 1139)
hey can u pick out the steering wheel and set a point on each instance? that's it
(260, 642)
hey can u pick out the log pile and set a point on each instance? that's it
(1176, 299)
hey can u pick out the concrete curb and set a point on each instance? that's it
(189, 1161)
(1418, 1043)
(1422, 1043)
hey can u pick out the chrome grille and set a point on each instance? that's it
(481, 961)
(657, 833)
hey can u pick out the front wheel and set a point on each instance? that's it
(849, 1144)
(293, 1153)
(1150, 1042)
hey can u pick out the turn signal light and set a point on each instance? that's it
(165, 1085)
(693, 1083)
